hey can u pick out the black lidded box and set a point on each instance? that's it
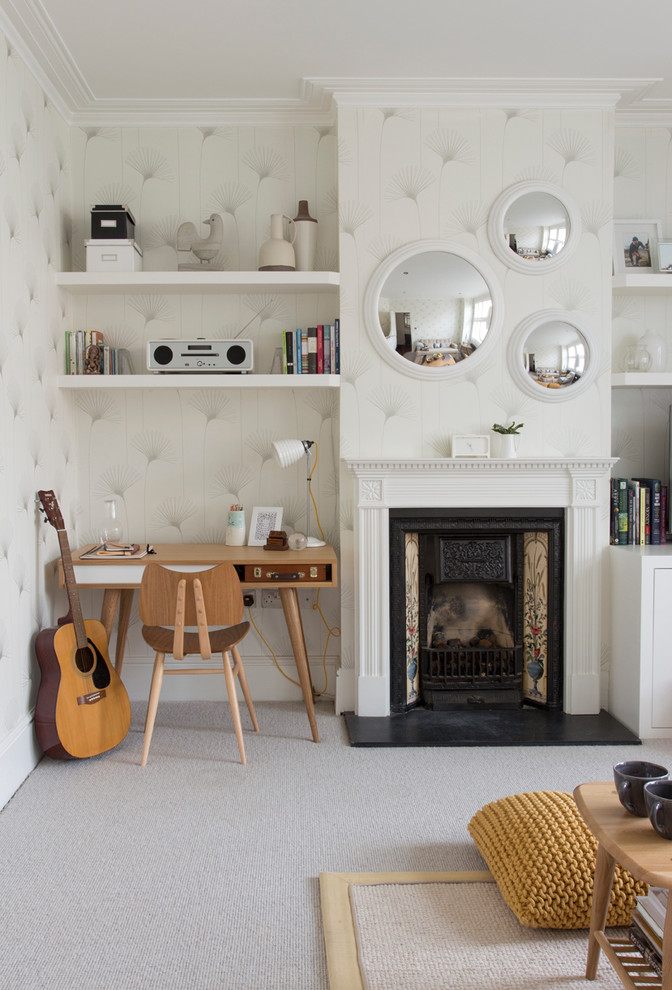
(112, 223)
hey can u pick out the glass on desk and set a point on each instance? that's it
(110, 531)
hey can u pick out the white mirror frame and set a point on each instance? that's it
(497, 236)
(453, 372)
(516, 350)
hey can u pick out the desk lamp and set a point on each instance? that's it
(289, 452)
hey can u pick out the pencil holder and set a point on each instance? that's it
(235, 528)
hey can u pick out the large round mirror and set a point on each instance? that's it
(433, 309)
(553, 356)
(534, 227)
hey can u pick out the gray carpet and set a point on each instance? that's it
(196, 873)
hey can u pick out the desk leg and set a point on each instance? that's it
(604, 878)
(113, 599)
(122, 626)
(290, 606)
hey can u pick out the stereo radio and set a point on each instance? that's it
(200, 355)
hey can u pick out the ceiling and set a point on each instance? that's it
(153, 60)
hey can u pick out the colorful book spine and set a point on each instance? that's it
(327, 349)
(655, 487)
(298, 353)
(337, 347)
(622, 485)
(320, 349)
(304, 350)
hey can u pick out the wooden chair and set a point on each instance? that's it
(172, 600)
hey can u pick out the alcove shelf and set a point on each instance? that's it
(201, 380)
(89, 283)
(642, 379)
(646, 284)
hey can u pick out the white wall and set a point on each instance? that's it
(37, 449)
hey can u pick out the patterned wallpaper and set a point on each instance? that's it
(37, 449)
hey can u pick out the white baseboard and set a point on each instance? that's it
(19, 755)
(265, 681)
(346, 693)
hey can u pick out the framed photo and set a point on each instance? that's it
(471, 445)
(635, 245)
(264, 519)
(665, 257)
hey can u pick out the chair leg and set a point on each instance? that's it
(240, 671)
(233, 702)
(152, 705)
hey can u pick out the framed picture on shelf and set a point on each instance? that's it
(635, 245)
(665, 257)
(264, 519)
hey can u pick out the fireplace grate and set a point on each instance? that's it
(484, 669)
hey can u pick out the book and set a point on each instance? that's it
(304, 350)
(655, 487)
(117, 550)
(312, 351)
(288, 338)
(327, 349)
(622, 489)
(633, 511)
(649, 954)
(664, 512)
(320, 349)
(336, 363)
(648, 927)
(654, 906)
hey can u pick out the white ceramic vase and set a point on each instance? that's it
(508, 445)
(277, 253)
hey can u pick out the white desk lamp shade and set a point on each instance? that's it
(289, 452)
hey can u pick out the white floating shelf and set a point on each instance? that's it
(202, 380)
(198, 282)
(634, 283)
(642, 379)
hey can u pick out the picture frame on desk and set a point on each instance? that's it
(635, 245)
(264, 519)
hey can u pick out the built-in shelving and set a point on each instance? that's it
(83, 283)
(646, 284)
(202, 380)
(642, 379)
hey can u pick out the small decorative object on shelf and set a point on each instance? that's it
(305, 242)
(636, 358)
(508, 446)
(665, 257)
(277, 254)
(654, 345)
(115, 222)
(276, 540)
(205, 249)
(471, 445)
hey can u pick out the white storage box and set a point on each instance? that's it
(113, 256)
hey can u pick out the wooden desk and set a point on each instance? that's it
(119, 578)
(633, 843)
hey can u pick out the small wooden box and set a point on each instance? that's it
(291, 573)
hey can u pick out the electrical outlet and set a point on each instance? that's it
(249, 599)
(270, 599)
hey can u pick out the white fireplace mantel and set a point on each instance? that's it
(580, 486)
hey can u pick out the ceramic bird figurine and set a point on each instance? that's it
(205, 248)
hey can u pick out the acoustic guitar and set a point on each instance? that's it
(82, 706)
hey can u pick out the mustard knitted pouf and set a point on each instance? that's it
(542, 856)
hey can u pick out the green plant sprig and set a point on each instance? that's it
(513, 428)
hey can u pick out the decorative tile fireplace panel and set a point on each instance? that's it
(579, 486)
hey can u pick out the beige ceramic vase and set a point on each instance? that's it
(277, 253)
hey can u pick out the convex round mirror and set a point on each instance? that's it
(553, 356)
(534, 227)
(433, 309)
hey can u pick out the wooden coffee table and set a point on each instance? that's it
(633, 843)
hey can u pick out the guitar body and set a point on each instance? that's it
(82, 706)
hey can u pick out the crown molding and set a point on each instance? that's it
(34, 36)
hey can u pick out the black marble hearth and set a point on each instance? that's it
(517, 727)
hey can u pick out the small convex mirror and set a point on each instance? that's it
(534, 227)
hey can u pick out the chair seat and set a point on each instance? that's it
(161, 639)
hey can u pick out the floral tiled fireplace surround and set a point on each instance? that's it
(476, 608)
(484, 486)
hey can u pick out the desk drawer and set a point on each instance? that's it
(291, 573)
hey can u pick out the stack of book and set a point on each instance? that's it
(312, 350)
(648, 922)
(639, 511)
(86, 353)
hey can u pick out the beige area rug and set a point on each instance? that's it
(443, 931)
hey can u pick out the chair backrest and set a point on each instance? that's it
(222, 595)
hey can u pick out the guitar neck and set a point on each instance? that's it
(71, 588)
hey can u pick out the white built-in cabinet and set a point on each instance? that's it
(640, 683)
(640, 680)
(183, 283)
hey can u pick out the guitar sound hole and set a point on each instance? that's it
(90, 660)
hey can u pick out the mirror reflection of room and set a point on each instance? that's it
(555, 355)
(435, 309)
(536, 226)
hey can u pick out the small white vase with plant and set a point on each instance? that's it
(508, 438)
